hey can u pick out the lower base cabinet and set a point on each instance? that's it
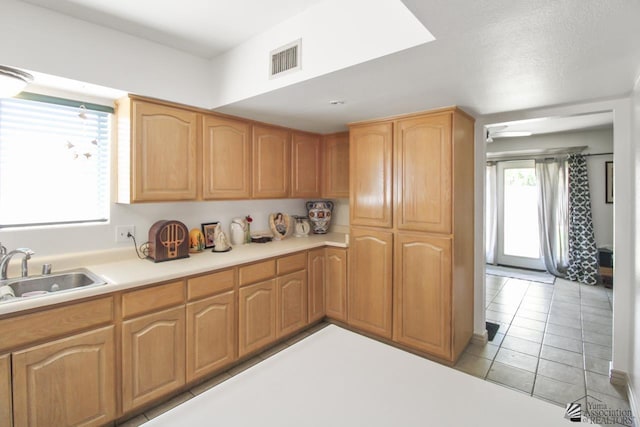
(211, 334)
(6, 418)
(67, 382)
(292, 303)
(153, 356)
(428, 330)
(317, 273)
(257, 316)
(336, 284)
(370, 281)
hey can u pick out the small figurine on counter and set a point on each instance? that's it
(220, 240)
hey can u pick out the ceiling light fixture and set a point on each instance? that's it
(337, 102)
(511, 134)
(13, 81)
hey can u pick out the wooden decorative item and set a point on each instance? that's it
(280, 225)
(168, 239)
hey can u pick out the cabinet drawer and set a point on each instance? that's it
(19, 330)
(295, 262)
(257, 272)
(210, 284)
(152, 299)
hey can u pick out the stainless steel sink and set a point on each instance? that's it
(11, 289)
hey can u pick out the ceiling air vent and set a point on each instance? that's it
(286, 59)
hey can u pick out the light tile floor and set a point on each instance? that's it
(554, 341)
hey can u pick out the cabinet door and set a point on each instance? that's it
(257, 316)
(211, 337)
(423, 173)
(153, 356)
(226, 169)
(271, 167)
(67, 382)
(316, 272)
(164, 153)
(423, 293)
(6, 417)
(336, 165)
(292, 303)
(370, 281)
(305, 165)
(370, 169)
(336, 283)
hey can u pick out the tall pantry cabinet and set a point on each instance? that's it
(411, 252)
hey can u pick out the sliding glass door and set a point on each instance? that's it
(518, 229)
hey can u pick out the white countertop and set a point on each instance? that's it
(132, 271)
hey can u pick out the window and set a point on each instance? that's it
(54, 161)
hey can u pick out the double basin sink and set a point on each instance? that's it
(24, 287)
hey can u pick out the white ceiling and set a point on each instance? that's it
(204, 28)
(489, 56)
(599, 120)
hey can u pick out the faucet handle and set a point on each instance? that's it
(46, 269)
(3, 250)
(26, 251)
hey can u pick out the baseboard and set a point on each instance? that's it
(480, 339)
(633, 402)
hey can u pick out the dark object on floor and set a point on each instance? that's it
(492, 329)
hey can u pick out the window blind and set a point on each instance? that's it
(54, 163)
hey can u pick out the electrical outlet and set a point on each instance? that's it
(122, 232)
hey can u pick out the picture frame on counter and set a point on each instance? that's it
(208, 230)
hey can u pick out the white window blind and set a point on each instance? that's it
(54, 163)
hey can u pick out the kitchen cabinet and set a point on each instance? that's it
(430, 223)
(153, 343)
(370, 281)
(271, 152)
(292, 303)
(226, 158)
(210, 335)
(335, 165)
(306, 156)
(425, 329)
(6, 397)
(317, 280)
(153, 356)
(424, 173)
(336, 283)
(157, 152)
(70, 381)
(370, 174)
(257, 316)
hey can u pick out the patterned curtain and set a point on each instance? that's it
(583, 254)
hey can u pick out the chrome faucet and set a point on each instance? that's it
(6, 258)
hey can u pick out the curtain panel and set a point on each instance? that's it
(583, 253)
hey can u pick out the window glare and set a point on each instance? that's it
(54, 163)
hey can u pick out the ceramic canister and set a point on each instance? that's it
(320, 215)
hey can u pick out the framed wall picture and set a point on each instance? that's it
(608, 167)
(208, 229)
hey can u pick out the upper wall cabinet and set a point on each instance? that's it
(424, 173)
(271, 168)
(370, 158)
(226, 157)
(157, 148)
(336, 165)
(305, 165)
